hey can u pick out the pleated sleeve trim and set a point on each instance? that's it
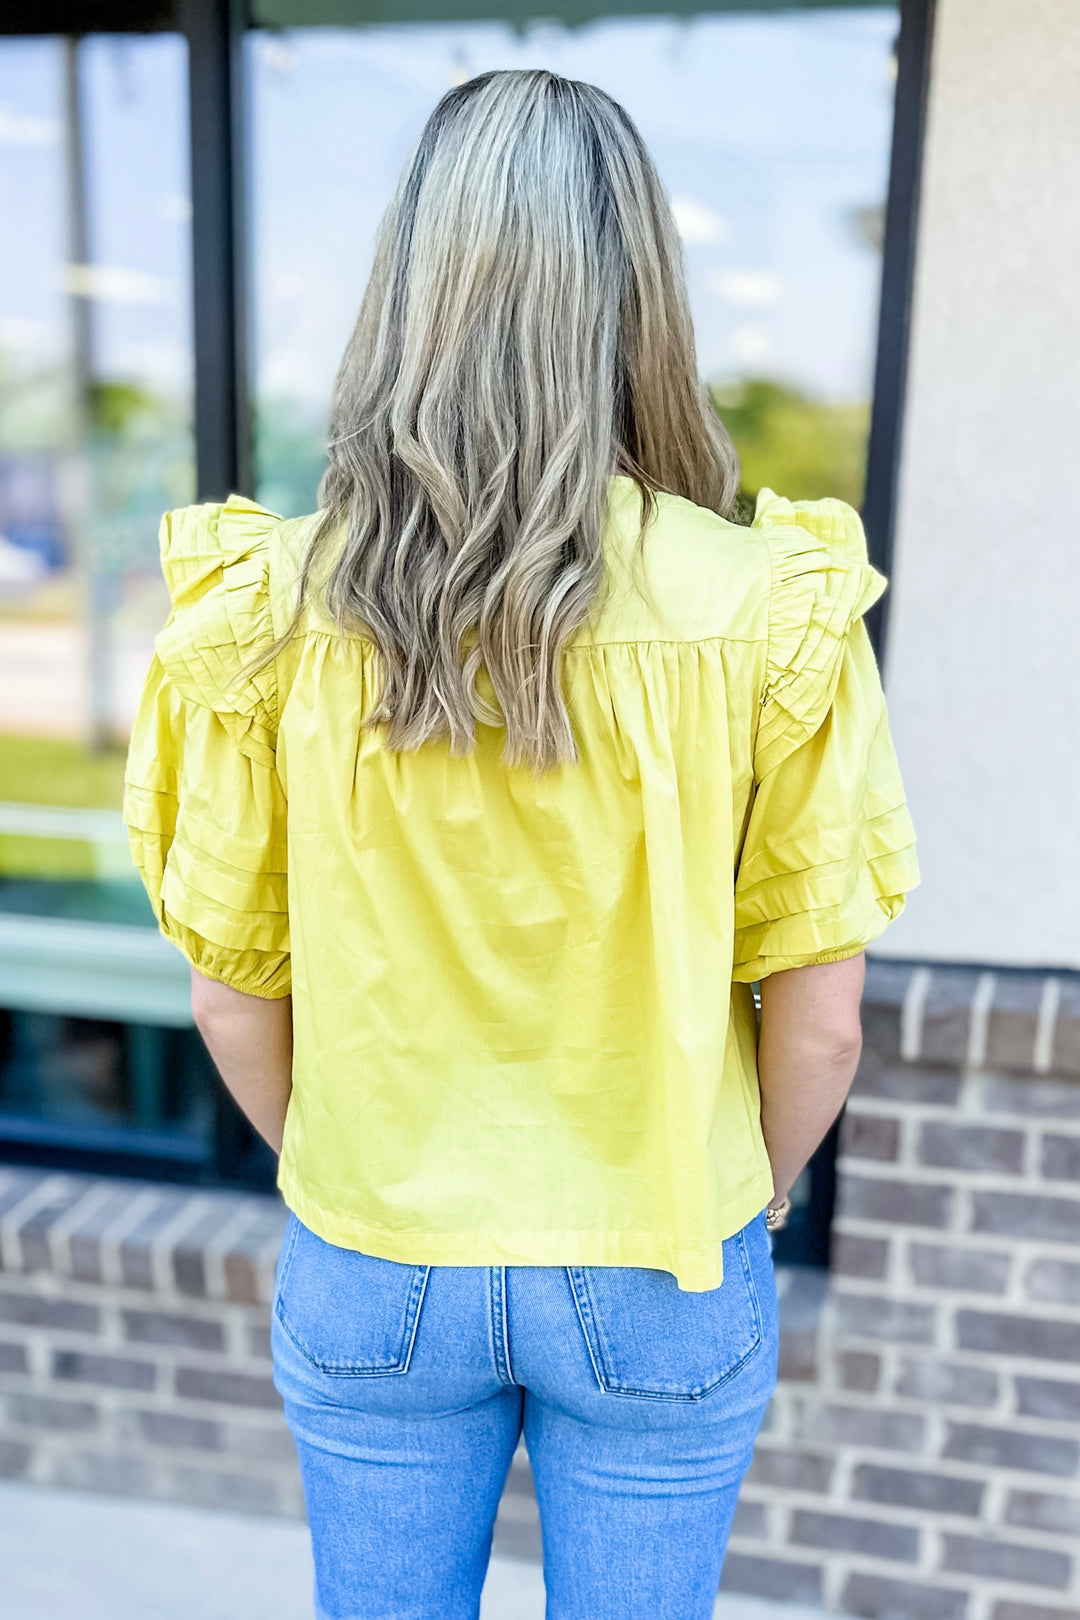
(204, 806)
(829, 851)
(216, 563)
(822, 581)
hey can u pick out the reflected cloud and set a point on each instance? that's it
(174, 209)
(753, 289)
(115, 284)
(752, 344)
(698, 224)
(16, 333)
(277, 53)
(26, 129)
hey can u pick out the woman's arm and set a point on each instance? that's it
(808, 1050)
(250, 1041)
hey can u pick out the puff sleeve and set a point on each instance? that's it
(829, 850)
(203, 804)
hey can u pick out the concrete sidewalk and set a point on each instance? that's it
(67, 1555)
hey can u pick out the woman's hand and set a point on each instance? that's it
(808, 1050)
(250, 1041)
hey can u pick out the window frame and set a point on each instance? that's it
(215, 32)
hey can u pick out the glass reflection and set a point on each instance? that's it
(95, 442)
(95, 367)
(771, 132)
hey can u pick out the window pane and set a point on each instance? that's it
(95, 442)
(95, 351)
(92, 1073)
(772, 136)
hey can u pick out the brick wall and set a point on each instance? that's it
(921, 1460)
(922, 1456)
(135, 1341)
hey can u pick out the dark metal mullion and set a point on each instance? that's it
(913, 56)
(214, 30)
(223, 440)
(897, 285)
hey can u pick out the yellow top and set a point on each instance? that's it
(523, 1025)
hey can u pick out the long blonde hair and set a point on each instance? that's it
(525, 334)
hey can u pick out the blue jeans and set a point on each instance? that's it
(407, 1387)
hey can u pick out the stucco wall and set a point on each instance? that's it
(983, 661)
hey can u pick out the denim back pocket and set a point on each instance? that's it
(349, 1313)
(649, 1338)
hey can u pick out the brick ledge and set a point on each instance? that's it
(1000, 1019)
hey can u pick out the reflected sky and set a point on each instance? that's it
(771, 133)
(135, 131)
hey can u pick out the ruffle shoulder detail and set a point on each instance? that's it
(216, 563)
(822, 584)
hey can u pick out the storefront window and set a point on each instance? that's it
(771, 127)
(772, 134)
(95, 442)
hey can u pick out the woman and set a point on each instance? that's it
(570, 761)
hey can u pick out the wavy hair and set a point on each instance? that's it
(524, 335)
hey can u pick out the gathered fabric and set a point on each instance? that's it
(523, 1024)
